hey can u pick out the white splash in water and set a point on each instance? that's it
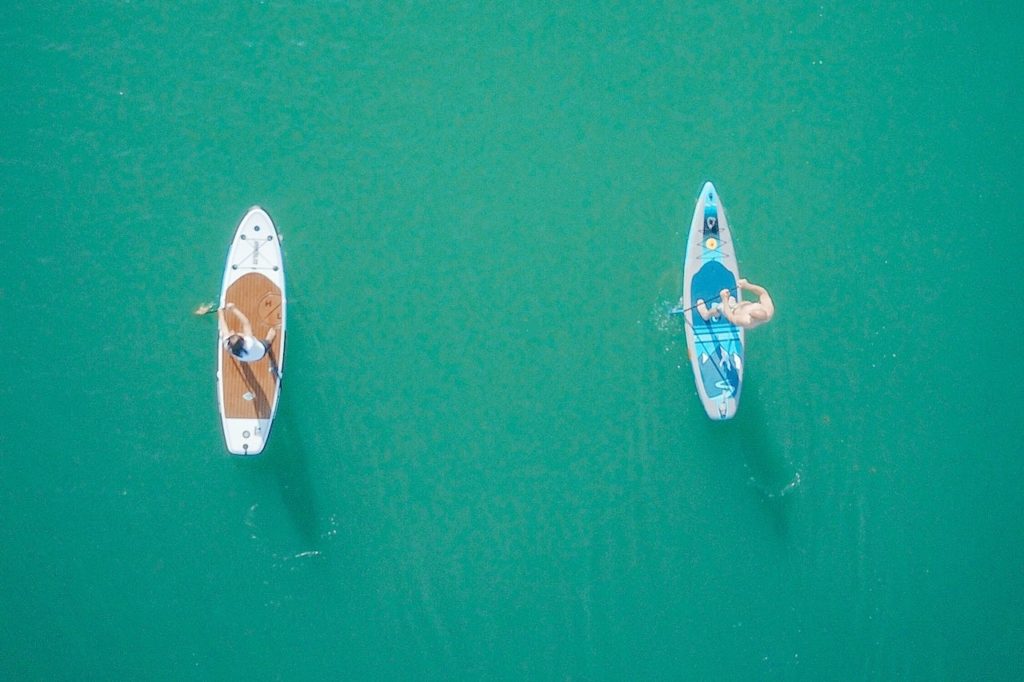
(792, 485)
(772, 494)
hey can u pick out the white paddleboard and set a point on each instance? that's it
(248, 392)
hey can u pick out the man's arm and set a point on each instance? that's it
(767, 302)
(222, 324)
(246, 327)
(763, 297)
(757, 290)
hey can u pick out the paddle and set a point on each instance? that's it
(205, 309)
(679, 311)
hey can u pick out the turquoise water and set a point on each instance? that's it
(489, 460)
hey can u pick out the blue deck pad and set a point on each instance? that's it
(717, 339)
(718, 372)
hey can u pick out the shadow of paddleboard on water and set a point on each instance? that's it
(763, 447)
(286, 463)
(754, 436)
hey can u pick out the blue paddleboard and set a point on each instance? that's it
(715, 346)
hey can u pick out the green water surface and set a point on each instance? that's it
(489, 460)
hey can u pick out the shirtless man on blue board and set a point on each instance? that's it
(746, 314)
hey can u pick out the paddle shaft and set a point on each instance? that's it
(679, 311)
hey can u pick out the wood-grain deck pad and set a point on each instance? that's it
(251, 387)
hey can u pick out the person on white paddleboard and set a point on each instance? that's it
(243, 346)
(746, 314)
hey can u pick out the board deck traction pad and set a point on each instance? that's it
(717, 345)
(248, 392)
